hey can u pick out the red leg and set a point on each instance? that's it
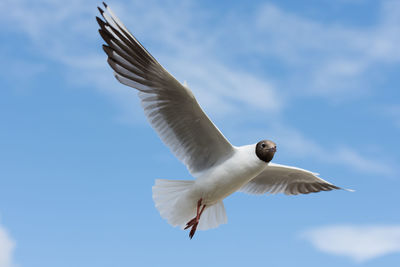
(202, 209)
(198, 207)
(195, 221)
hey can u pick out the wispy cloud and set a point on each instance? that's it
(181, 47)
(360, 243)
(322, 59)
(332, 60)
(317, 59)
(362, 163)
(7, 246)
(298, 145)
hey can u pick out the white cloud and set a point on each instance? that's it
(62, 32)
(362, 163)
(299, 145)
(360, 243)
(331, 60)
(7, 246)
(324, 60)
(230, 88)
(293, 144)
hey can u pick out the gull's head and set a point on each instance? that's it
(265, 150)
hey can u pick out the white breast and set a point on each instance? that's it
(220, 181)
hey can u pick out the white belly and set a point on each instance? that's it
(220, 181)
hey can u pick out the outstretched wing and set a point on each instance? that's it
(170, 107)
(278, 178)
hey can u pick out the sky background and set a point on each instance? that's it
(78, 159)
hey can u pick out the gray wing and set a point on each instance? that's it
(278, 178)
(170, 107)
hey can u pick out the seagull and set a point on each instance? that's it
(219, 168)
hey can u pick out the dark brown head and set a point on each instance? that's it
(265, 150)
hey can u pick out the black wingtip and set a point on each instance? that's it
(100, 22)
(105, 47)
(105, 5)
(107, 50)
(100, 10)
(101, 32)
(106, 36)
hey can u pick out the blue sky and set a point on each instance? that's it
(78, 158)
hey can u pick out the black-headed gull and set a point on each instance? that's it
(220, 168)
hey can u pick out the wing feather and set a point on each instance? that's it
(170, 107)
(278, 178)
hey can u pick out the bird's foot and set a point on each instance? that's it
(195, 221)
(191, 223)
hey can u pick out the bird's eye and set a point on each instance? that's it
(263, 145)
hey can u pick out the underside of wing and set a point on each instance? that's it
(170, 107)
(278, 178)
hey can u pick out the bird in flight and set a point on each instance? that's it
(219, 168)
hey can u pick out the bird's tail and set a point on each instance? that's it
(177, 207)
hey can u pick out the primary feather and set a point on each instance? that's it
(170, 107)
(277, 178)
(220, 169)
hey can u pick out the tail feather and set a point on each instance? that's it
(178, 208)
(213, 216)
(166, 196)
